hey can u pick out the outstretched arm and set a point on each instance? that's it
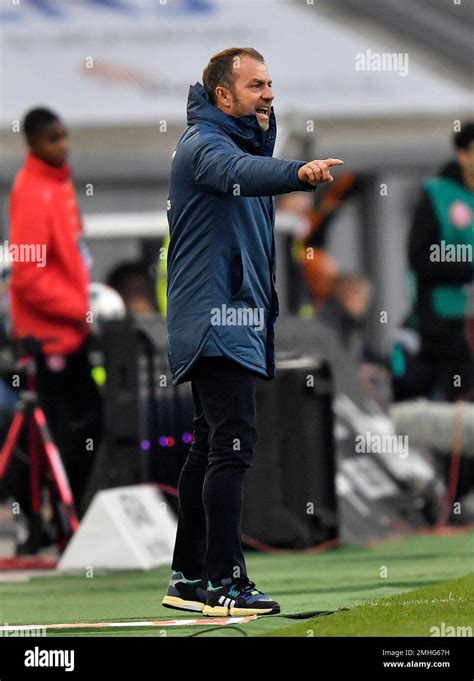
(218, 166)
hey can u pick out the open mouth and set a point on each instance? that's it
(263, 111)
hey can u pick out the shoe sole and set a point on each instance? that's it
(220, 611)
(181, 604)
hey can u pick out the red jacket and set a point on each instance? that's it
(52, 300)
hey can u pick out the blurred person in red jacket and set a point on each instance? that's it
(49, 293)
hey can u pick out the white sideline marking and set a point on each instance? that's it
(156, 623)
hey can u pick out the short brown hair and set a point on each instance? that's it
(221, 68)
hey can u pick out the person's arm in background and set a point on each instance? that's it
(30, 225)
(218, 166)
(424, 233)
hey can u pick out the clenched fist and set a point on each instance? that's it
(316, 172)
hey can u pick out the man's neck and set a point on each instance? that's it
(48, 163)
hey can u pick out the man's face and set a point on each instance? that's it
(466, 159)
(251, 93)
(52, 145)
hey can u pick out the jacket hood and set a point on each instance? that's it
(245, 131)
(452, 171)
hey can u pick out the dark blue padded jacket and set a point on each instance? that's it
(221, 255)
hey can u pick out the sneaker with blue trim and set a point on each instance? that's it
(231, 597)
(185, 594)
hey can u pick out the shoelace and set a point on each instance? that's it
(246, 586)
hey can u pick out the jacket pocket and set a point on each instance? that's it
(238, 277)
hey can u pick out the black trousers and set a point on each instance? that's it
(208, 543)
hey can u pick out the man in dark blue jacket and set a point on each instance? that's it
(222, 306)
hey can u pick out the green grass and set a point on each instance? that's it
(410, 614)
(304, 584)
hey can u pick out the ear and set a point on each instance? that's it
(223, 96)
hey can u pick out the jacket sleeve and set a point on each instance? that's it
(424, 233)
(30, 224)
(220, 167)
